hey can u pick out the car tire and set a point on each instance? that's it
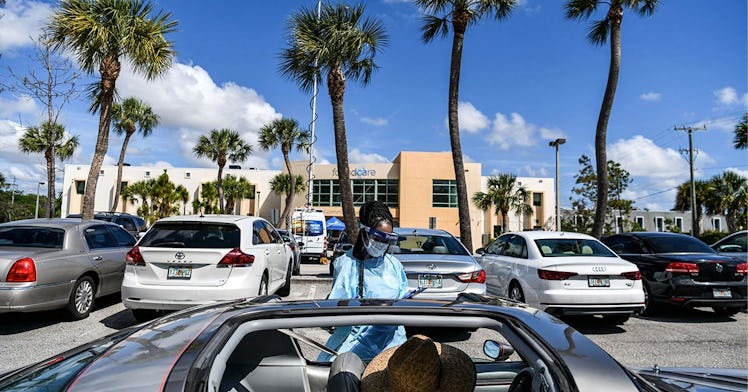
(143, 315)
(650, 307)
(725, 311)
(286, 289)
(516, 293)
(615, 319)
(81, 299)
(263, 285)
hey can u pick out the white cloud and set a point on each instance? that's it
(651, 97)
(471, 120)
(155, 164)
(741, 172)
(725, 124)
(532, 171)
(20, 105)
(643, 158)
(377, 122)
(726, 96)
(22, 20)
(513, 130)
(355, 156)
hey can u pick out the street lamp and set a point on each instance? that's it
(555, 144)
(257, 210)
(36, 214)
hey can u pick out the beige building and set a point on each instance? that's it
(419, 188)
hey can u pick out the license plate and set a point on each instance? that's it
(722, 293)
(430, 281)
(598, 281)
(179, 273)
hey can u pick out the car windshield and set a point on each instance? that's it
(565, 247)
(428, 244)
(309, 227)
(192, 235)
(32, 237)
(677, 244)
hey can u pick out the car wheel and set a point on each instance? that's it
(286, 289)
(82, 298)
(263, 285)
(516, 293)
(649, 304)
(725, 311)
(615, 319)
(143, 315)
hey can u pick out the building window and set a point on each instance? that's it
(537, 199)
(101, 173)
(80, 187)
(640, 222)
(679, 223)
(717, 224)
(187, 175)
(619, 224)
(444, 193)
(432, 222)
(659, 223)
(326, 193)
(147, 174)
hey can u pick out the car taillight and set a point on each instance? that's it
(742, 269)
(635, 275)
(677, 267)
(555, 275)
(23, 270)
(133, 257)
(473, 277)
(236, 258)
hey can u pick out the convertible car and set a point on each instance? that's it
(264, 344)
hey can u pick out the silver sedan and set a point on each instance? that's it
(60, 263)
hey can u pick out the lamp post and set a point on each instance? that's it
(257, 212)
(555, 144)
(36, 214)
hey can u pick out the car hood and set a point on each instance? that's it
(696, 379)
(437, 263)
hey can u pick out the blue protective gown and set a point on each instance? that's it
(384, 278)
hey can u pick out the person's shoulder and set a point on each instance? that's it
(345, 260)
(393, 260)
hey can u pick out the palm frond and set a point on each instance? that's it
(598, 32)
(580, 9)
(432, 27)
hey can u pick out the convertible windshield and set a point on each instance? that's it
(565, 247)
(32, 237)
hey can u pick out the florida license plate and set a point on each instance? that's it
(430, 281)
(598, 281)
(179, 273)
(721, 293)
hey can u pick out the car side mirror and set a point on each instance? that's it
(480, 251)
(346, 247)
(497, 351)
(300, 244)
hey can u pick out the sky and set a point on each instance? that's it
(525, 81)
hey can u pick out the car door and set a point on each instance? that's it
(106, 256)
(125, 242)
(277, 253)
(262, 241)
(497, 271)
(519, 267)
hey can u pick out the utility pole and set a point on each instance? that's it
(690, 164)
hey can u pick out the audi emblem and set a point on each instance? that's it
(179, 255)
(430, 267)
(719, 267)
(598, 269)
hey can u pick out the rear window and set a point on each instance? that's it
(565, 247)
(428, 244)
(32, 237)
(192, 235)
(308, 228)
(677, 244)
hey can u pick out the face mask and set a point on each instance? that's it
(375, 248)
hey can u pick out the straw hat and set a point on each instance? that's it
(420, 365)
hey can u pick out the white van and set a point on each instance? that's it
(309, 228)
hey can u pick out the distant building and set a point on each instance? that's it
(675, 221)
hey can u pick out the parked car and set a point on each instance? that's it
(734, 245)
(341, 246)
(264, 345)
(189, 260)
(60, 263)
(681, 270)
(135, 225)
(294, 246)
(438, 262)
(564, 274)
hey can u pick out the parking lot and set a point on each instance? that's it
(694, 338)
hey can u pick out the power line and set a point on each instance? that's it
(690, 165)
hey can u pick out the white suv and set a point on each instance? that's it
(189, 260)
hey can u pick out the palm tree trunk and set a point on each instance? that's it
(615, 16)
(219, 186)
(109, 70)
(459, 23)
(50, 158)
(120, 163)
(504, 219)
(290, 193)
(336, 87)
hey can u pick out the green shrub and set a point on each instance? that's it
(711, 236)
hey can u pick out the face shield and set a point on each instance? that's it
(376, 242)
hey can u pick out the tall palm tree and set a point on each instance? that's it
(220, 147)
(741, 133)
(726, 195)
(504, 195)
(683, 200)
(598, 34)
(37, 139)
(100, 34)
(281, 184)
(341, 45)
(439, 14)
(286, 134)
(130, 116)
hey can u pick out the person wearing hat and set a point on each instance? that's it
(368, 271)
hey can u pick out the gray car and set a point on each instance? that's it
(60, 263)
(734, 245)
(264, 344)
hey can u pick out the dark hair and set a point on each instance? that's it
(370, 214)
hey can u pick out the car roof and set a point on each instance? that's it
(60, 223)
(410, 230)
(545, 235)
(649, 234)
(208, 218)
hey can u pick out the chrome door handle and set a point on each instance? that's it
(98, 258)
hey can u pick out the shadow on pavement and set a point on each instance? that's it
(671, 314)
(593, 325)
(120, 320)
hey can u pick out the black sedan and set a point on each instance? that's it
(681, 270)
(267, 345)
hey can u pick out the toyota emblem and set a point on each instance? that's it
(179, 255)
(430, 267)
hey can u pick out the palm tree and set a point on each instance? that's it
(341, 44)
(726, 195)
(101, 33)
(284, 132)
(741, 133)
(37, 139)
(209, 195)
(158, 197)
(220, 147)
(461, 14)
(236, 189)
(683, 200)
(598, 35)
(504, 195)
(131, 116)
(281, 184)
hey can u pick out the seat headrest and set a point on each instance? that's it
(440, 250)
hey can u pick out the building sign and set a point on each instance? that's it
(358, 172)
